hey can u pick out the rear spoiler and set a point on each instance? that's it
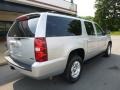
(27, 17)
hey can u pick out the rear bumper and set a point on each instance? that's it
(40, 70)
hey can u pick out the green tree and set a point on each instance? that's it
(108, 14)
(88, 18)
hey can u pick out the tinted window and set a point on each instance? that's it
(60, 26)
(99, 30)
(89, 28)
(25, 28)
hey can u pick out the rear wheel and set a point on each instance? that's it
(108, 50)
(73, 69)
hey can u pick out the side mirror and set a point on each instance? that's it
(104, 33)
(107, 31)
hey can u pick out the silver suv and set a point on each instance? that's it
(47, 44)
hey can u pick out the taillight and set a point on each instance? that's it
(40, 49)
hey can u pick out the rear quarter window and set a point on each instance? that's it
(60, 26)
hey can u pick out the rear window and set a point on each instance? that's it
(24, 28)
(61, 26)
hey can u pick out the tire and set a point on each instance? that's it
(73, 69)
(108, 50)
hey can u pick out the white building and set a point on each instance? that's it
(10, 9)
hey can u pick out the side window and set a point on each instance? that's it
(60, 26)
(98, 30)
(89, 28)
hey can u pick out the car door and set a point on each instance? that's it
(91, 40)
(101, 38)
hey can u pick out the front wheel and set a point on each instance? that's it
(108, 50)
(73, 68)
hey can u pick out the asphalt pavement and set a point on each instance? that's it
(99, 73)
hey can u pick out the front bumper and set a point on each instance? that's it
(39, 70)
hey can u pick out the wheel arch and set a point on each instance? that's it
(78, 51)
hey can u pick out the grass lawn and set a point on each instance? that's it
(115, 33)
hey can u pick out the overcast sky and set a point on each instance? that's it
(85, 7)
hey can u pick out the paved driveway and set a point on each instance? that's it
(99, 73)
